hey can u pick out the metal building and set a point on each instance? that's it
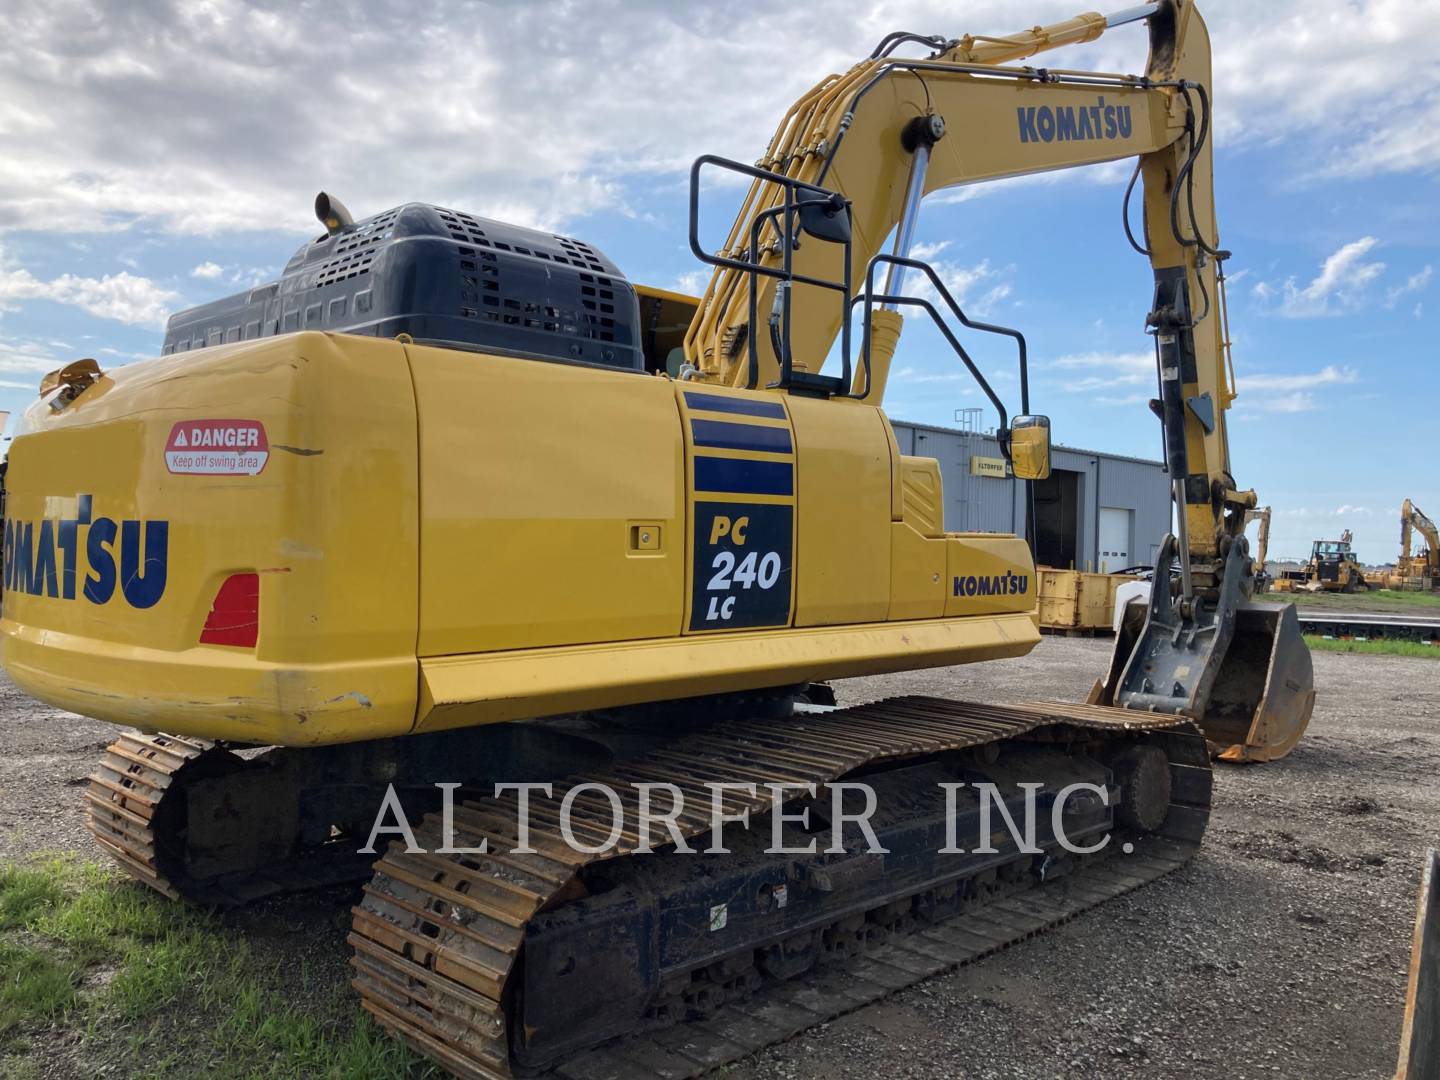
(1100, 512)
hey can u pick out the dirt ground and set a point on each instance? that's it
(1425, 605)
(1281, 950)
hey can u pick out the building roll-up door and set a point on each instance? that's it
(1116, 527)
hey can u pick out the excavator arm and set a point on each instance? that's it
(1262, 536)
(893, 130)
(1413, 520)
(848, 169)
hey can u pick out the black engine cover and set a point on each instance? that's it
(444, 278)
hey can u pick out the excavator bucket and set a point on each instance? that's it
(1263, 693)
(1420, 1033)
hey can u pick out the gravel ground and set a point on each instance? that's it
(1281, 950)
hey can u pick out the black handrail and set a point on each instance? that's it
(785, 273)
(800, 194)
(870, 298)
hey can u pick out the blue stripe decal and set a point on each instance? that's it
(772, 440)
(744, 477)
(716, 403)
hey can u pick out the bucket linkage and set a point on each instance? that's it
(1237, 666)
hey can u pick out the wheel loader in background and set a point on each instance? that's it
(1333, 567)
(437, 506)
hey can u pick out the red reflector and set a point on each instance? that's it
(234, 617)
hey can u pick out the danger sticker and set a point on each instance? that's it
(217, 448)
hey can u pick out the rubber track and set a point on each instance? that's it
(137, 774)
(124, 793)
(435, 939)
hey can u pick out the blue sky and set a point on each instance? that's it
(163, 155)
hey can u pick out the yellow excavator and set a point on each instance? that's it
(1418, 571)
(1262, 545)
(453, 510)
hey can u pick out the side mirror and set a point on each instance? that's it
(826, 219)
(1030, 447)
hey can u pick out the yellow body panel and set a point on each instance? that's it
(983, 574)
(328, 524)
(446, 537)
(917, 573)
(461, 690)
(843, 563)
(922, 497)
(534, 478)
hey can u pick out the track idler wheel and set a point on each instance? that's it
(1143, 773)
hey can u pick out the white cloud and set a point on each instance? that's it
(1125, 399)
(1415, 283)
(1288, 392)
(217, 117)
(926, 252)
(1340, 285)
(1111, 375)
(1111, 370)
(1297, 401)
(691, 283)
(1330, 375)
(1128, 364)
(242, 277)
(1360, 75)
(1344, 510)
(123, 296)
(1106, 172)
(18, 357)
(916, 375)
(978, 288)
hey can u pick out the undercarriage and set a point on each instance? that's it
(637, 957)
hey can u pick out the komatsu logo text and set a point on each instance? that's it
(1074, 123)
(992, 585)
(88, 556)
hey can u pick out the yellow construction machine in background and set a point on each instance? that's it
(1418, 572)
(1262, 546)
(1332, 567)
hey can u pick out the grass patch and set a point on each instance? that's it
(35, 987)
(1378, 598)
(162, 989)
(1384, 647)
(25, 893)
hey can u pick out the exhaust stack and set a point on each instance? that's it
(333, 215)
